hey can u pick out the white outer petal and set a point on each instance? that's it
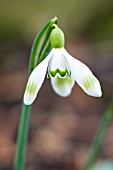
(62, 86)
(83, 76)
(37, 77)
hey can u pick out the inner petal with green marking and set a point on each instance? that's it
(58, 66)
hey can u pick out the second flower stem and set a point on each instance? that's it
(98, 140)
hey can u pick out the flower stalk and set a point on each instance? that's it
(39, 51)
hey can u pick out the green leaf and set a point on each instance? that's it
(41, 45)
(103, 165)
(99, 138)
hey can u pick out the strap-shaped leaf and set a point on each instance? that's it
(41, 45)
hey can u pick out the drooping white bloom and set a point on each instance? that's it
(64, 71)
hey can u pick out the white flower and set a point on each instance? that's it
(64, 71)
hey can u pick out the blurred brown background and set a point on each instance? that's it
(61, 129)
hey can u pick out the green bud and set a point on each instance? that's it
(57, 38)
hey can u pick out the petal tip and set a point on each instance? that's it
(99, 93)
(27, 100)
(98, 89)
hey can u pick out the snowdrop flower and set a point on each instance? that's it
(63, 70)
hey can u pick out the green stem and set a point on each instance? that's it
(39, 50)
(96, 145)
(22, 137)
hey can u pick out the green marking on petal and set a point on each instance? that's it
(31, 88)
(62, 73)
(88, 83)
